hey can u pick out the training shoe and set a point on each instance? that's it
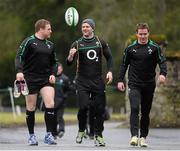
(99, 141)
(142, 142)
(79, 137)
(24, 88)
(49, 139)
(134, 141)
(17, 89)
(61, 134)
(86, 136)
(32, 140)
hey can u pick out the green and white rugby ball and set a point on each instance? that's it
(71, 16)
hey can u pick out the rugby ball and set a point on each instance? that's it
(71, 16)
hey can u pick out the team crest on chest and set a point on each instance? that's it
(97, 43)
(149, 50)
(48, 46)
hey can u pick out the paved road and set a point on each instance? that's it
(116, 139)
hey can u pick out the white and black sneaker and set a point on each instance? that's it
(24, 88)
(17, 89)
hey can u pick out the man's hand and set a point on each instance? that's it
(162, 79)
(109, 77)
(121, 86)
(52, 79)
(20, 76)
(72, 52)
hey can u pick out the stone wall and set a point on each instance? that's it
(166, 104)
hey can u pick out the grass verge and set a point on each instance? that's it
(8, 120)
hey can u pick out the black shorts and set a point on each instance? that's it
(36, 84)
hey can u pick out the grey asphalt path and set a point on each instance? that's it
(116, 139)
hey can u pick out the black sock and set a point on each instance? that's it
(50, 120)
(30, 120)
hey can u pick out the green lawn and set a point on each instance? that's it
(8, 120)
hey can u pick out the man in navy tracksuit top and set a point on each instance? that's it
(142, 57)
(36, 63)
(89, 51)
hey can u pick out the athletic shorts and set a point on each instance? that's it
(36, 84)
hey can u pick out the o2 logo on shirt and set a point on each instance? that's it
(92, 54)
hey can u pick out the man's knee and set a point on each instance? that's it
(49, 104)
(31, 107)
